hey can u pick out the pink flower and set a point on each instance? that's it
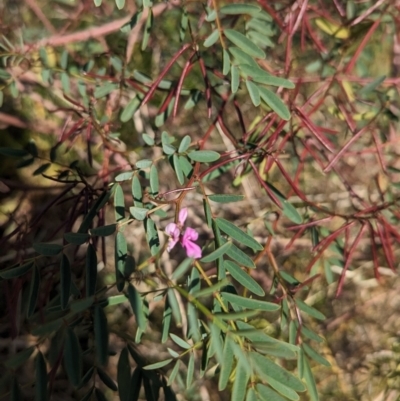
(186, 239)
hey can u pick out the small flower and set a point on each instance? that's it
(186, 239)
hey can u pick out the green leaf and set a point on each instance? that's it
(47, 249)
(243, 278)
(178, 169)
(41, 378)
(250, 303)
(136, 302)
(65, 281)
(73, 357)
(119, 203)
(371, 86)
(227, 365)
(184, 24)
(173, 302)
(123, 375)
(138, 213)
(130, 109)
(309, 310)
(147, 29)
(239, 9)
(144, 163)
(101, 334)
(204, 156)
(190, 371)
(287, 208)
(315, 355)
(106, 379)
(283, 389)
(234, 79)
(211, 39)
(217, 253)
(309, 379)
(179, 341)
(263, 77)
(120, 5)
(121, 251)
(103, 231)
(158, 365)
(244, 43)
(16, 271)
(47, 328)
(174, 373)
(242, 58)
(225, 198)
(15, 393)
(253, 92)
(154, 185)
(181, 269)
(148, 140)
(236, 233)
(275, 103)
(240, 257)
(185, 143)
(20, 358)
(166, 321)
(135, 385)
(267, 394)
(226, 62)
(91, 270)
(33, 292)
(152, 236)
(41, 169)
(76, 238)
(105, 89)
(267, 368)
(240, 383)
(251, 395)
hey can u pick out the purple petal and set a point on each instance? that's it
(192, 249)
(183, 216)
(172, 230)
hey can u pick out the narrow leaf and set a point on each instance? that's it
(250, 303)
(101, 334)
(65, 281)
(243, 278)
(244, 43)
(91, 270)
(73, 358)
(275, 103)
(204, 156)
(217, 253)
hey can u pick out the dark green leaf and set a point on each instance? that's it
(101, 334)
(121, 251)
(135, 384)
(147, 29)
(124, 375)
(41, 378)
(76, 238)
(73, 357)
(236, 233)
(287, 208)
(65, 281)
(91, 270)
(47, 249)
(33, 292)
(243, 278)
(152, 236)
(20, 358)
(15, 394)
(16, 271)
(47, 328)
(106, 379)
(136, 302)
(275, 103)
(166, 322)
(41, 169)
(137, 192)
(100, 395)
(240, 257)
(244, 43)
